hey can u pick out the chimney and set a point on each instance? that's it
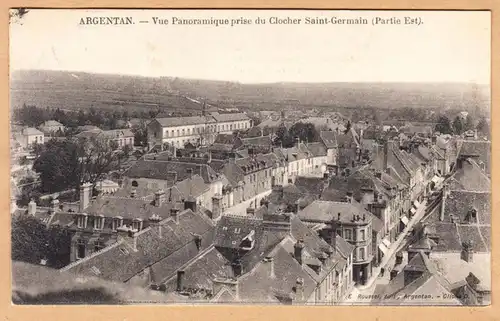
(85, 196)
(349, 196)
(173, 176)
(299, 289)
(443, 202)
(270, 261)
(174, 213)
(298, 252)
(54, 205)
(180, 279)
(216, 206)
(32, 208)
(297, 141)
(155, 220)
(334, 225)
(159, 198)
(467, 252)
(237, 266)
(189, 172)
(190, 203)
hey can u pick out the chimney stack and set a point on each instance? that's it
(159, 198)
(216, 206)
(299, 289)
(467, 252)
(299, 251)
(174, 213)
(85, 196)
(54, 205)
(180, 279)
(32, 207)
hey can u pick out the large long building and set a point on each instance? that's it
(200, 130)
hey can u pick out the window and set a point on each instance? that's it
(135, 184)
(172, 133)
(117, 222)
(80, 252)
(348, 234)
(237, 230)
(189, 131)
(363, 236)
(82, 221)
(137, 224)
(166, 133)
(183, 132)
(361, 253)
(178, 132)
(99, 222)
(98, 245)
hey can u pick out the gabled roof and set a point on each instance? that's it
(325, 211)
(164, 255)
(30, 131)
(329, 138)
(184, 121)
(470, 178)
(160, 170)
(220, 118)
(317, 149)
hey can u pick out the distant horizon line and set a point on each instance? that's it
(255, 83)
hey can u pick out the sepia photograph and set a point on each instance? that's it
(250, 157)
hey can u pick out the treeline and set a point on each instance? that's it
(459, 125)
(34, 116)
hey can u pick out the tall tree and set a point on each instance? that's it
(458, 126)
(283, 137)
(483, 127)
(469, 123)
(443, 125)
(304, 131)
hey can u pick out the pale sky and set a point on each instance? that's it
(451, 46)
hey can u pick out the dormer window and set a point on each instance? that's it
(99, 222)
(137, 224)
(472, 216)
(117, 222)
(82, 220)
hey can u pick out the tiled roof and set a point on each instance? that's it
(459, 203)
(202, 270)
(228, 139)
(310, 185)
(317, 149)
(329, 138)
(50, 123)
(257, 141)
(183, 121)
(470, 178)
(165, 254)
(192, 186)
(30, 131)
(229, 117)
(117, 133)
(260, 286)
(160, 170)
(232, 229)
(454, 269)
(325, 211)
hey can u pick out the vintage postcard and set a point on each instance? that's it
(285, 157)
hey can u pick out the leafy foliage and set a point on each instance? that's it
(306, 132)
(32, 242)
(443, 125)
(458, 126)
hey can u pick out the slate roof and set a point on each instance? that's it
(310, 185)
(200, 272)
(325, 211)
(30, 131)
(220, 118)
(317, 149)
(52, 123)
(257, 141)
(470, 178)
(258, 286)
(329, 138)
(481, 150)
(160, 170)
(117, 133)
(119, 262)
(184, 121)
